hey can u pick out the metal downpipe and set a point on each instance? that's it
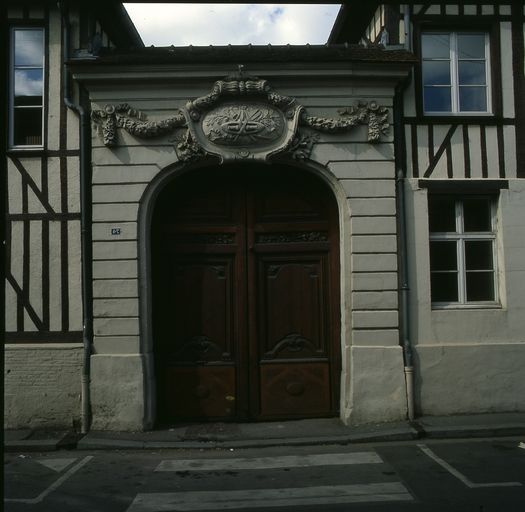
(404, 292)
(87, 316)
(404, 289)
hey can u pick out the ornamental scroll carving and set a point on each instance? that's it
(133, 121)
(241, 118)
(371, 114)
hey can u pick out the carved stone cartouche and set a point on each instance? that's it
(242, 117)
(243, 125)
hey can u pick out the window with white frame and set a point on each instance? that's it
(455, 72)
(26, 108)
(462, 250)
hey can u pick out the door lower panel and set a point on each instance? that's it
(295, 390)
(204, 392)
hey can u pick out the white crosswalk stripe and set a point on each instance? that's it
(289, 461)
(336, 493)
(258, 498)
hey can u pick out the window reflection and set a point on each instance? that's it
(28, 83)
(455, 72)
(27, 87)
(29, 47)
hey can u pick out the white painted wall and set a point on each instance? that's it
(470, 360)
(42, 381)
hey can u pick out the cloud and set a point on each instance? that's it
(222, 24)
(275, 14)
(29, 47)
(28, 83)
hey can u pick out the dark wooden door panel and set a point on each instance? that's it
(292, 318)
(202, 392)
(245, 290)
(295, 390)
(201, 311)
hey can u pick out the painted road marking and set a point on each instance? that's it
(56, 464)
(55, 485)
(291, 461)
(254, 498)
(460, 476)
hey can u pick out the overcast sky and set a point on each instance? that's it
(221, 24)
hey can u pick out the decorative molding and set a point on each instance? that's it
(242, 118)
(239, 87)
(302, 146)
(200, 348)
(133, 121)
(273, 270)
(371, 114)
(204, 238)
(298, 237)
(188, 149)
(293, 343)
(243, 125)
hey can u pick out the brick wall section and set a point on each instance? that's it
(42, 385)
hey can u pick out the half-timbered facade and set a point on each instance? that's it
(460, 136)
(259, 233)
(41, 171)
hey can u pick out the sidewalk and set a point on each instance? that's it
(258, 435)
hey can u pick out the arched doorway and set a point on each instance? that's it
(246, 307)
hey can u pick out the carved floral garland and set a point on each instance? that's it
(375, 116)
(133, 121)
(188, 148)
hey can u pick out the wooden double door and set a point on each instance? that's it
(246, 296)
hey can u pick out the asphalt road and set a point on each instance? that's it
(466, 476)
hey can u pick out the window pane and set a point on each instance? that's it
(471, 46)
(443, 255)
(480, 286)
(29, 47)
(436, 72)
(444, 287)
(472, 72)
(437, 99)
(478, 255)
(472, 99)
(435, 46)
(441, 214)
(27, 127)
(476, 211)
(28, 87)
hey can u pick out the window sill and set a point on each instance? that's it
(459, 114)
(32, 151)
(465, 307)
(461, 117)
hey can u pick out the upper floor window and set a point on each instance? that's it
(26, 107)
(462, 250)
(456, 77)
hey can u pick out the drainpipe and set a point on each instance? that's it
(404, 289)
(87, 315)
(406, 26)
